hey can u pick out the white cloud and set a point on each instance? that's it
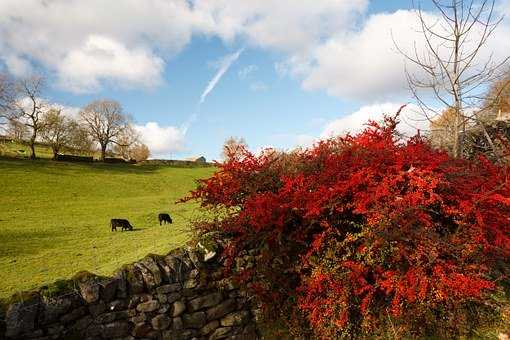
(162, 141)
(411, 120)
(285, 25)
(50, 33)
(69, 111)
(245, 71)
(17, 66)
(363, 64)
(366, 65)
(45, 105)
(101, 58)
(329, 45)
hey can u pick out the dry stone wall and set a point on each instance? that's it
(183, 295)
(177, 163)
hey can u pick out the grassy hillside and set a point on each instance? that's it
(54, 217)
(22, 150)
(15, 149)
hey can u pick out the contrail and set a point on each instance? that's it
(187, 124)
(225, 65)
(227, 61)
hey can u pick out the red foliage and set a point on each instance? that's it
(367, 226)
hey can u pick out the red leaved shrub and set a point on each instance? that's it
(368, 234)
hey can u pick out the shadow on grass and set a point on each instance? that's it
(40, 165)
(128, 231)
(69, 168)
(13, 242)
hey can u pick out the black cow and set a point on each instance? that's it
(164, 218)
(121, 223)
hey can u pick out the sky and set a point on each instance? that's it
(192, 73)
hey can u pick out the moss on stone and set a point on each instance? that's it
(54, 289)
(18, 297)
(84, 276)
(128, 272)
(3, 307)
(175, 252)
(57, 288)
(156, 257)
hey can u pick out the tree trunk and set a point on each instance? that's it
(456, 134)
(456, 87)
(103, 152)
(32, 146)
(55, 153)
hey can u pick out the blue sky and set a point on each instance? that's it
(306, 71)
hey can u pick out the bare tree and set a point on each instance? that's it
(442, 130)
(105, 122)
(491, 135)
(233, 147)
(139, 152)
(29, 107)
(57, 131)
(16, 130)
(7, 97)
(497, 101)
(453, 71)
(125, 141)
(488, 135)
(79, 139)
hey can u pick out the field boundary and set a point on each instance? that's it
(185, 294)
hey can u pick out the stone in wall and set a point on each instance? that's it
(182, 295)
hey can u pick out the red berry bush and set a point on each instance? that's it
(368, 234)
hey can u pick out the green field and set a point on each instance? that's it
(15, 149)
(54, 217)
(22, 150)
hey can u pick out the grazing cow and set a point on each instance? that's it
(121, 223)
(164, 218)
(114, 223)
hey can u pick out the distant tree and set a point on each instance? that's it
(57, 131)
(442, 130)
(29, 107)
(497, 101)
(125, 141)
(105, 122)
(16, 130)
(233, 147)
(139, 152)
(488, 134)
(80, 140)
(7, 97)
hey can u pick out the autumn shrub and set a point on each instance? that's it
(368, 235)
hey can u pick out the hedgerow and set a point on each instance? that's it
(368, 234)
